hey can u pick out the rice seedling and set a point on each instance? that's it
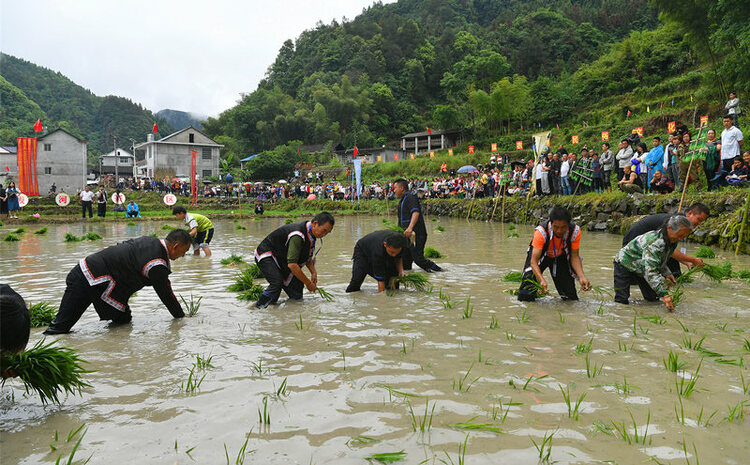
(535, 286)
(193, 305)
(513, 277)
(522, 317)
(468, 310)
(717, 272)
(584, 347)
(42, 314)
(721, 327)
(251, 294)
(685, 387)
(685, 452)
(574, 409)
(233, 260)
(239, 227)
(20, 230)
(735, 413)
(684, 328)
(391, 391)
(511, 291)
(386, 457)
(601, 427)
(264, 416)
(299, 325)
(513, 234)
(361, 440)
(440, 228)
(327, 296)
(282, 391)
(154, 235)
(422, 424)
(544, 447)
(258, 367)
(71, 436)
(672, 362)
(622, 430)
(705, 252)
(416, 281)
(193, 382)
(742, 274)
(392, 226)
(493, 322)
(254, 271)
(130, 223)
(687, 342)
(527, 384)
(512, 227)
(745, 386)
(462, 383)
(701, 420)
(430, 252)
(243, 281)
(471, 425)
(509, 336)
(41, 231)
(433, 219)
(203, 362)
(240, 460)
(288, 221)
(560, 315)
(91, 236)
(47, 370)
(655, 319)
(72, 238)
(623, 347)
(10, 237)
(746, 346)
(592, 369)
(624, 388)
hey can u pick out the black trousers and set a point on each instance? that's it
(86, 207)
(101, 209)
(77, 298)
(625, 278)
(361, 268)
(415, 253)
(561, 275)
(275, 279)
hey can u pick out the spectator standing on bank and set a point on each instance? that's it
(564, 178)
(624, 154)
(733, 108)
(654, 159)
(607, 160)
(86, 199)
(731, 143)
(101, 203)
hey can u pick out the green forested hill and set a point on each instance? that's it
(490, 67)
(30, 92)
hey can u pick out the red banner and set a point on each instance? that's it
(450, 152)
(574, 139)
(27, 181)
(605, 135)
(639, 130)
(194, 175)
(471, 149)
(671, 127)
(493, 147)
(704, 121)
(519, 145)
(395, 157)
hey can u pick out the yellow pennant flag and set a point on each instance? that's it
(648, 109)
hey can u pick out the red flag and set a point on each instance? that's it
(355, 152)
(522, 127)
(557, 125)
(661, 106)
(6, 168)
(429, 131)
(38, 126)
(628, 114)
(155, 128)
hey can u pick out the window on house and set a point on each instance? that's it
(206, 153)
(191, 137)
(207, 173)
(47, 147)
(124, 160)
(48, 170)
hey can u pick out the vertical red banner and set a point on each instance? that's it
(27, 180)
(194, 176)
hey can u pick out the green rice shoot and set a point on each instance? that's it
(513, 277)
(20, 230)
(41, 231)
(251, 294)
(167, 227)
(440, 228)
(416, 281)
(233, 260)
(327, 296)
(92, 236)
(130, 223)
(254, 271)
(11, 238)
(430, 252)
(239, 227)
(47, 370)
(193, 305)
(243, 281)
(72, 238)
(392, 226)
(705, 252)
(386, 457)
(42, 314)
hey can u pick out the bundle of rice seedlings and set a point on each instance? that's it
(42, 314)
(717, 272)
(430, 252)
(193, 305)
(392, 226)
(72, 238)
(254, 271)
(415, 281)
(130, 223)
(251, 294)
(513, 277)
(167, 227)
(92, 236)
(677, 295)
(512, 227)
(742, 274)
(41, 231)
(325, 295)
(20, 230)
(512, 234)
(233, 260)
(705, 252)
(47, 370)
(536, 286)
(440, 228)
(239, 227)
(243, 281)
(11, 238)
(288, 221)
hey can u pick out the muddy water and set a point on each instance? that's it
(357, 364)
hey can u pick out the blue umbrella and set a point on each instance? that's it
(467, 169)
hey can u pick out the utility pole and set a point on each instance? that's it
(116, 160)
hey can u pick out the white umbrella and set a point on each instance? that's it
(281, 181)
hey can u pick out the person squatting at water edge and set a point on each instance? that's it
(378, 254)
(201, 229)
(644, 262)
(109, 277)
(281, 255)
(15, 322)
(697, 213)
(410, 218)
(555, 245)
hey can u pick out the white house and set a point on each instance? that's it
(170, 156)
(125, 163)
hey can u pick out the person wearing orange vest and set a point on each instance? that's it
(555, 245)
(444, 168)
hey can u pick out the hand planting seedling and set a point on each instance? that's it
(193, 305)
(414, 281)
(42, 314)
(325, 295)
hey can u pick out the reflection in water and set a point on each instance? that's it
(355, 366)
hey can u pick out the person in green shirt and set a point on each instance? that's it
(200, 228)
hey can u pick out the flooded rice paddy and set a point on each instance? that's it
(465, 374)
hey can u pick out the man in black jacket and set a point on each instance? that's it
(411, 219)
(696, 213)
(109, 277)
(378, 254)
(283, 253)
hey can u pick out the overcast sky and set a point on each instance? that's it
(185, 55)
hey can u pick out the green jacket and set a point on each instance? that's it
(647, 256)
